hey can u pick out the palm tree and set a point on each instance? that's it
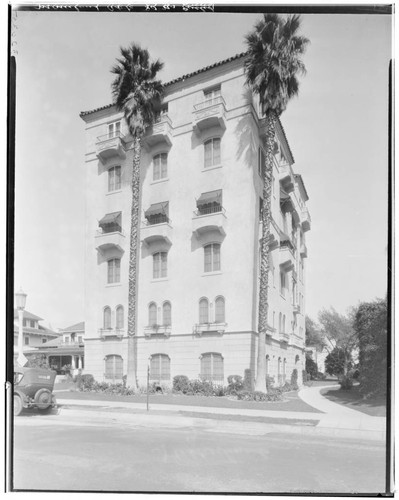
(137, 93)
(272, 65)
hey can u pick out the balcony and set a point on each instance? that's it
(284, 337)
(209, 219)
(105, 333)
(286, 178)
(287, 258)
(157, 331)
(209, 113)
(155, 231)
(161, 131)
(108, 146)
(296, 309)
(273, 235)
(209, 328)
(297, 341)
(306, 220)
(106, 240)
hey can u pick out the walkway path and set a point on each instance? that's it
(338, 416)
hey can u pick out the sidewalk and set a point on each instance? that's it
(327, 418)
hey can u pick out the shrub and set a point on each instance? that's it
(181, 384)
(346, 382)
(287, 387)
(294, 378)
(311, 367)
(269, 382)
(258, 396)
(87, 382)
(235, 383)
(248, 380)
(321, 376)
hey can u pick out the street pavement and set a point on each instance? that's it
(117, 445)
(92, 449)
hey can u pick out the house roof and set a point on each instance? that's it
(176, 80)
(78, 327)
(27, 315)
(52, 343)
(36, 331)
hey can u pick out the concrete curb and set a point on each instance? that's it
(173, 417)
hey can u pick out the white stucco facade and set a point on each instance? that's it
(208, 251)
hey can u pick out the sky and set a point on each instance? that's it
(337, 129)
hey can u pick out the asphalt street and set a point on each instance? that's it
(110, 451)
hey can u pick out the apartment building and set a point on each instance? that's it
(198, 265)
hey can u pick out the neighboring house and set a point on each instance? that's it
(66, 353)
(319, 356)
(198, 263)
(34, 334)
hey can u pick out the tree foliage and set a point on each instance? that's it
(371, 326)
(313, 334)
(335, 362)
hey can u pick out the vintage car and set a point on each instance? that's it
(33, 389)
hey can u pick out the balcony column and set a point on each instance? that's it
(73, 365)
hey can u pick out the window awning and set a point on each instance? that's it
(284, 196)
(210, 197)
(110, 218)
(157, 209)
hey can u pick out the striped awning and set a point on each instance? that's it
(157, 209)
(210, 197)
(110, 218)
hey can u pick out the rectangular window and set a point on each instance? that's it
(160, 265)
(114, 271)
(212, 152)
(211, 94)
(212, 367)
(44, 341)
(160, 163)
(160, 367)
(282, 283)
(114, 129)
(113, 367)
(80, 339)
(114, 179)
(212, 258)
(26, 340)
(32, 323)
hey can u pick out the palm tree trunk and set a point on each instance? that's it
(133, 269)
(260, 383)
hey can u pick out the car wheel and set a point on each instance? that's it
(17, 405)
(43, 399)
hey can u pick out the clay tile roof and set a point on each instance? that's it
(179, 79)
(27, 315)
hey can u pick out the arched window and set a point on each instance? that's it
(284, 369)
(113, 367)
(212, 367)
(152, 314)
(160, 166)
(160, 265)
(280, 323)
(267, 364)
(167, 314)
(119, 318)
(296, 358)
(212, 152)
(107, 318)
(212, 257)
(114, 271)
(283, 325)
(204, 311)
(279, 371)
(219, 310)
(159, 367)
(114, 178)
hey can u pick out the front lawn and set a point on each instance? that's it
(375, 407)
